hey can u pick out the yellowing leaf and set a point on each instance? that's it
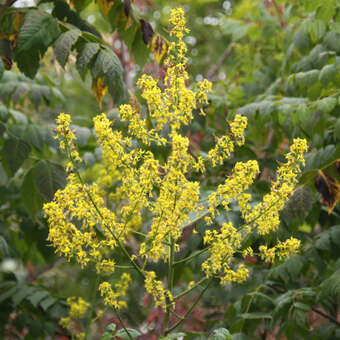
(99, 90)
(159, 47)
(71, 3)
(105, 6)
(329, 188)
(17, 21)
(16, 27)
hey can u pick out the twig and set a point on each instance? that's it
(189, 310)
(283, 24)
(122, 323)
(8, 4)
(214, 68)
(326, 316)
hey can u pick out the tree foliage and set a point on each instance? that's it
(276, 62)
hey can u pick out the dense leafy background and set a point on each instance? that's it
(277, 62)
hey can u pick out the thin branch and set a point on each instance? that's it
(192, 256)
(178, 323)
(283, 24)
(326, 316)
(4, 7)
(214, 68)
(122, 323)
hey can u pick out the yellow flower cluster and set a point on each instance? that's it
(156, 289)
(136, 187)
(75, 222)
(281, 250)
(223, 246)
(113, 297)
(242, 177)
(78, 307)
(265, 216)
(67, 138)
(204, 87)
(226, 144)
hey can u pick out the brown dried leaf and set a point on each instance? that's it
(147, 31)
(329, 188)
(127, 7)
(7, 62)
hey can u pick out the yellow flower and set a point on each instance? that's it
(113, 297)
(136, 187)
(156, 289)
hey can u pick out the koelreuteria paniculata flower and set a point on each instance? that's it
(136, 190)
(78, 308)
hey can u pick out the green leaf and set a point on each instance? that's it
(30, 196)
(34, 134)
(252, 316)
(122, 333)
(65, 14)
(38, 93)
(261, 295)
(111, 327)
(64, 44)
(318, 30)
(3, 247)
(22, 293)
(294, 265)
(82, 134)
(38, 31)
(220, 334)
(323, 241)
(327, 74)
(332, 41)
(140, 50)
(107, 62)
(326, 12)
(302, 306)
(312, 5)
(2, 68)
(300, 318)
(108, 66)
(193, 335)
(106, 336)
(306, 79)
(37, 297)
(15, 151)
(172, 336)
(3, 113)
(326, 104)
(301, 40)
(47, 302)
(331, 286)
(320, 159)
(48, 178)
(8, 293)
(282, 303)
(240, 336)
(85, 56)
